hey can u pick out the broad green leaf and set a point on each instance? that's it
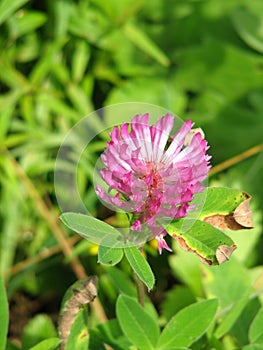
(140, 266)
(79, 334)
(141, 40)
(232, 315)
(37, 329)
(139, 327)
(175, 300)
(256, 330)
(228, 283)
(7, 7)
(91, 228)
(4, 314)
(249, 27)
(109, 255)
(188, 325)
(47, 344)
(202, 239)
(240, 329)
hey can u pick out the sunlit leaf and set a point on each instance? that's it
(188, 325)
(91, 228)
(136, 323)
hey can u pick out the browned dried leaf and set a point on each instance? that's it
(81, 296)
(224, 252)
(223, 222)
(243, 214)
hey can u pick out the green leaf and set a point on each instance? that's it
(249, 28)
(232, 316)
(37, 329)
(91, 228)
(175, 300)
(4, 314)
(95, 341)
(231, 285)
(121, 281)
(44, 65)
(253, 347)
(141, 40)
(7, 7)
(188, 325)
(228, 283)
(256, 330)
(27, 23)
(47, 344)
(61, 11)
(112, 334)
(136, 323)
(109, 255)
(140, 266)
(220, 200)
(241, 326)
(202, 239)
(79, 335)
(80, 59)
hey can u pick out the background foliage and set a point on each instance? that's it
(59, 61)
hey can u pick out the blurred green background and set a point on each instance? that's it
(60, 60)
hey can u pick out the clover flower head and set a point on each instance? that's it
(154, 176)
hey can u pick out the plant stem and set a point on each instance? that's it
(236, 159)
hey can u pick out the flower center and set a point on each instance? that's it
(154, 183)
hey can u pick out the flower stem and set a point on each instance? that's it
(140, 289)
(236, 159)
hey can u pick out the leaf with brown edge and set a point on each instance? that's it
(211, 245)
(240, 219)
(224, 208)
